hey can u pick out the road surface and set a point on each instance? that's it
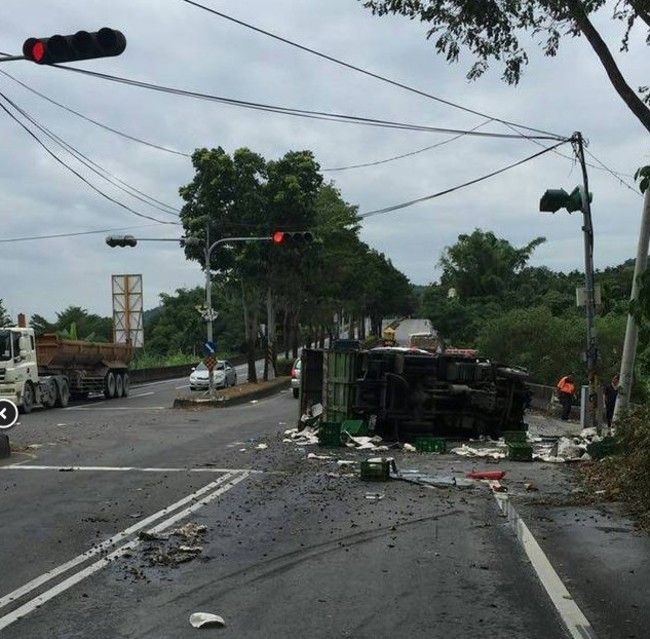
(280, 545)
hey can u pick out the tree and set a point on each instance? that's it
(75, 322)
(5, 320)
(482, 266)
(491, 30)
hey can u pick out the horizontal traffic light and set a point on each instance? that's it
(292, 237)
(82, 45)
(555, 199)
(121, 240)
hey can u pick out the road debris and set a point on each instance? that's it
(486, 474)
(473, 451)
(206, 619)
(176, 547)
(434, 481)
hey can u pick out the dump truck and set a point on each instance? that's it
(47, 371)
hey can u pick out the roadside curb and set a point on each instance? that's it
(271, 388)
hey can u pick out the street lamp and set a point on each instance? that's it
(579, 200)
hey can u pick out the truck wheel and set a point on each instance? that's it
(28, 399)
(119, 385)
(109, 385)
(48, 394)
(63, 396)
(126, 385)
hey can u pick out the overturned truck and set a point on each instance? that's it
(405, 393)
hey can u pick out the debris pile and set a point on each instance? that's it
(176, 547)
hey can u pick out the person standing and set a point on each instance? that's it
(566, 389)
(610, 393)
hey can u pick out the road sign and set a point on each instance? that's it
(210, 361)
(210, 348)
(8, 414)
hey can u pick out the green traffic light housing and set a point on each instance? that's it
(555, 199)
(82, 45)
(121, 240)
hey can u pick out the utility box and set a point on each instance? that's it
(584, 407)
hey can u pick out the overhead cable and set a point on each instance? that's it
(95, 122)
(316, 115)
(364, 71)
(96, 168)
(404, 205)
(67, 166)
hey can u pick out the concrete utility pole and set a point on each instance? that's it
(590, 303)
(632, 330)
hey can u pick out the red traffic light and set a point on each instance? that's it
(292, 237)
(83, 45)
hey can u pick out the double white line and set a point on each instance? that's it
(113, 548)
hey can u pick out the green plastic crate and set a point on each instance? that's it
(515, 436)
(431, 444)
(520, 452)
(375, 470)
(354, 427)
(329, 434)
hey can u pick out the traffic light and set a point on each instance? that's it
(121, 240)
(83, 45)
(292, 237)
(555, 199)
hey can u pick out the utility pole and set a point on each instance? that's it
(632, 330)
(590, 303)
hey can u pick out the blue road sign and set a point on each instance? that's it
(210, 348)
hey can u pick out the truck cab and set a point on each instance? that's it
(19, 375)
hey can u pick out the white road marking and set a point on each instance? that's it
(214, 490)
(575, 621)
(144, 394)
(131, 469)
(88, 407)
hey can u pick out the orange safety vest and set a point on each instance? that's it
(565, 386)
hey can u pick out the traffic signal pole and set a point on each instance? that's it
(590, 304)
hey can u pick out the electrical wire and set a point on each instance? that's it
(81, 177)
(604, 167)
(404, 155)
(404, 205)
(96, 168)
(95, 122)
(72, 234)
(305, 113)
(363, 71)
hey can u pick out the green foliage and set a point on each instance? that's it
(547, 346)
(75, 322)
(151, 360)
(643, 175)
(283, 366)
(492, 31)
(5, 320)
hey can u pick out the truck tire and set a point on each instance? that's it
(28, 399)
(126, 384)
(119, 385)
(63, 396)
(109, 385)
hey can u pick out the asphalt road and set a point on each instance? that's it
(283, 546)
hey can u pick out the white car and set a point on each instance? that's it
(295, 378)
(224, 375)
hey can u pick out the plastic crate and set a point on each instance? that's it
(520, 452)
(515, 436)
(431, 444)
(354, 427)
(375, 470)
(329, 434)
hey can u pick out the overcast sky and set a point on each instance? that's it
(174, 44)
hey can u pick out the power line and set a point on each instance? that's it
(96, 122)
(96, 168)
(67, 166)
(364, 71)
(305, 113)
(404, 205)
(404, 155)
(618, 176)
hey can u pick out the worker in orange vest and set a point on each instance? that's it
(566, 389)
